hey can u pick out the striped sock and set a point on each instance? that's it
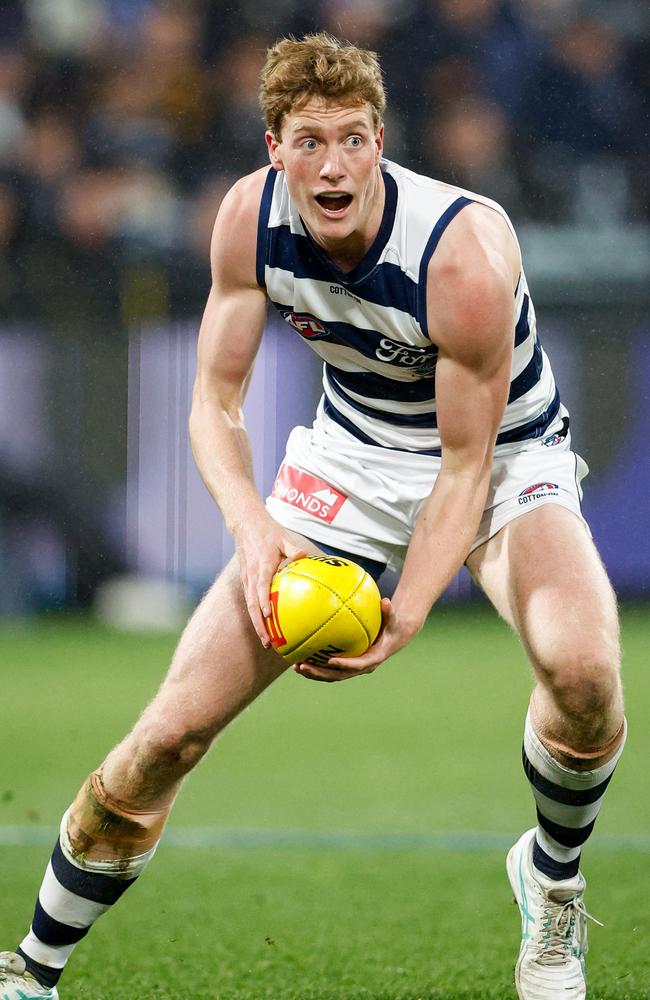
(568, 803)
(73, 895)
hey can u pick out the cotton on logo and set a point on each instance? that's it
(308, 493)
(306, 325)
(537, 491)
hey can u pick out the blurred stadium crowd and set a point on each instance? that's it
(122, 122)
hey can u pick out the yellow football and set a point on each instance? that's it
(323, 606)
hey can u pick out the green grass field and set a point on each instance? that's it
(341, 841)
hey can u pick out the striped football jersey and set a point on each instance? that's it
(369, 325)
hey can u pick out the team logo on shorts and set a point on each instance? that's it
(308, 493)
(306, 325)
(537, 491)
(559, 436)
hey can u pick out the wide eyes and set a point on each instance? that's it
(353, 141)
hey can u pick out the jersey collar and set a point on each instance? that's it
(370, 259)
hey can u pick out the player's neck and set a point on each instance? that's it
(349, 251)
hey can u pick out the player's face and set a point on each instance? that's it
(330, 154)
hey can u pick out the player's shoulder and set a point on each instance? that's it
(422, 193)
(479, 240)
(474, 271)
(234, 238)
(416, 186)
(443, 223)
(478, 235)
(241, 203)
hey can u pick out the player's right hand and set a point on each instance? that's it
(262, 547)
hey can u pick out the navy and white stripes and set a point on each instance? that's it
(369, 325)
(72, 896)
(568, 803)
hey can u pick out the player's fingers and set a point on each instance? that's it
(386, 614)
(292, 551)
(246, 587)
(253, 605)
(356, 664)
(266, 570)
(263, 595)
(324, 674)
(258, 623)
(376, 654)
(322, 680)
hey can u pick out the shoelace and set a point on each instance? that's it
(560, 922)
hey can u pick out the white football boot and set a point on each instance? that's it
(17, 984)
(551, 961)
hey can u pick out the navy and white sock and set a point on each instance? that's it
(72, 896)
(568, 803)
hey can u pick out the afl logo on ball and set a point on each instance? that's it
(537, 491)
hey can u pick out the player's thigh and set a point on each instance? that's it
(544, 575)
(218, 668)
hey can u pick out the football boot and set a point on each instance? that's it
(18, 984)
(551, 960)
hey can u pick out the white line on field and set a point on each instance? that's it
(210, 837)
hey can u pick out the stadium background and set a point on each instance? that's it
(122, 122)
(349, 838)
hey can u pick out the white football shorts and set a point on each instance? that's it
(363, 499)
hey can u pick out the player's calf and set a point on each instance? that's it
(568, 783)
(103, 847)
(111, 831)
(104, 828)
(107, 838)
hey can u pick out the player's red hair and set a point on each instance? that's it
(318, 65)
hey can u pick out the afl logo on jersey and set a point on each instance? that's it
(306, 325)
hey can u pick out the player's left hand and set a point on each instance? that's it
(394, 634)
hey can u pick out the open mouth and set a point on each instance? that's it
(335, 203)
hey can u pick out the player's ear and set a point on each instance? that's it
(379, 141)
(273, 146)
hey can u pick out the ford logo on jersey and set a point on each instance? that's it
(423, 359)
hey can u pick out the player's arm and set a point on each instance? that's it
(231, 330)
(470, 295)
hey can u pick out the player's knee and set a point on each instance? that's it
(171, 750)
(184, 749)
(585, 681)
